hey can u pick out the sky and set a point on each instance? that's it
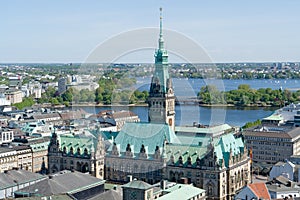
(229, 31)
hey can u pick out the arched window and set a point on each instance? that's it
(210, 190)
(78, 151)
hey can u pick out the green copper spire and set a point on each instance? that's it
(161, 98)
(159, 81)
(161, 39)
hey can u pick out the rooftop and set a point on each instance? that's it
(63, 182)
(14, 177)
(148, 134)
(138, 185)
(181, 191)
(260, 190)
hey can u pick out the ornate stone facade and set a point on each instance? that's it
(76, 152)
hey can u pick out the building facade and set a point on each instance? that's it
(76, 152)
(6, 135)
(24, 155)
(273, 144)
(8, 159)
(14, 96)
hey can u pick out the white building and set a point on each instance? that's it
(286, 169)
(6, 136)
(14, 96)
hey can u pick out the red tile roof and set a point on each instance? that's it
(260, 190)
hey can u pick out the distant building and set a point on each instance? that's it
(91, 86)
(14, 96)
(15, 82)
(117, 118)
(271, 144)
(62, 85)
(6, 135)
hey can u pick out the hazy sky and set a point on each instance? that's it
(230, 31)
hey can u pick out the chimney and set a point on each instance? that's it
(129, 178)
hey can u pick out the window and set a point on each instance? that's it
(180, 160)
(71, 151)
(64, 150)
(85, 152)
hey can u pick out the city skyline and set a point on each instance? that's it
(229, 32)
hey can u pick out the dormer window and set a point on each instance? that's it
(180, 160)
(189, 161)
(143, 150)
(128, 148)
(85, 152)
(71, 151)
(64, 150)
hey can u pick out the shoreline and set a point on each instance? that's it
(146, 105)
(200, 105)
(110, 105)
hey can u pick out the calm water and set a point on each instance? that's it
(187, 114)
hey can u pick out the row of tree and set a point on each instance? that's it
(113, 88)
(246, 96)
